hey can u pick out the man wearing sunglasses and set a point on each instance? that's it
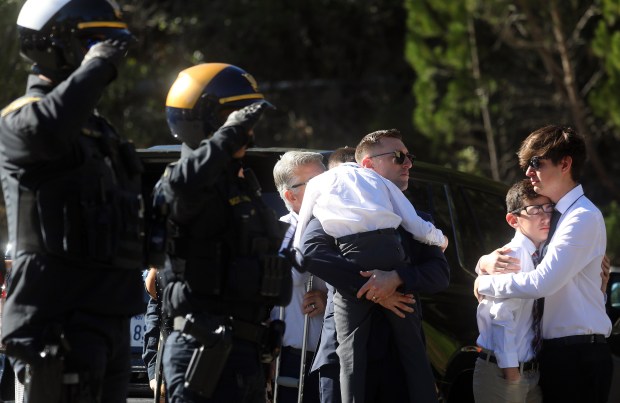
(361, 210)
(426, 271)
(575, 361)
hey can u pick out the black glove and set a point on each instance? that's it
(248, 116)
(112, 50)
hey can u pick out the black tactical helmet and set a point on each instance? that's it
(199, 95)
(55, 34)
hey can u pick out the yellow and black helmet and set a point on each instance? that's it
(200, 96)
(55, 34)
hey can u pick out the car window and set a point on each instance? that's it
(481, 222)
(430, 197)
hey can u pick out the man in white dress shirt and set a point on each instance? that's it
(575, 362)
(290, 174)
(506, 370)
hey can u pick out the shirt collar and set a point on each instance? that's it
(290, 218)
(568, 199)
(525, 241)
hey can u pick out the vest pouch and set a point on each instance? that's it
(276, 279)
(89, 224)
(129, 235)
(203, 267)
(59, 211)
(101, 223)
(244, 279)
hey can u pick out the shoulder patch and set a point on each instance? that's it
(18, 104)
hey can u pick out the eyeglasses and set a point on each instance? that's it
(399, 156)
(535, 209)
(295, 186)
(535, 162)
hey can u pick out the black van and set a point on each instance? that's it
(469, 209)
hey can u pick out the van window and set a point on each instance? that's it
(481, 222)
(430, 197)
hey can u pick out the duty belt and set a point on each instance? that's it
(254, 333)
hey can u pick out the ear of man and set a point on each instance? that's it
(566, 163)
(367, 162)
(511, 219)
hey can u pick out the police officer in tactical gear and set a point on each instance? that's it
(73, 195)
(222, 271)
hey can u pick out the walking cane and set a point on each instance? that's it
(302, 366)
(277, 373)
(163, 335)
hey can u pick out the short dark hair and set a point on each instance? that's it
(554, 142)
(519, 193)
(372, 140)
(341, 155)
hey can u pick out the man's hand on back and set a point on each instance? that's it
(381, 284)
(398, 303)
(605, 269)
(499, 262)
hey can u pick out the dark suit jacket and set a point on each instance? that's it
(428, 273)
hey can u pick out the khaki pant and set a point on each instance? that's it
(491, 387)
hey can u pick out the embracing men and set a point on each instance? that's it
(575, 360)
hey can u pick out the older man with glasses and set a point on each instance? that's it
(291, 174)
(389, 375)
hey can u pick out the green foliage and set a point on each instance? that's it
(13, 70)
(604, 98)
(522, 76)
(444, 89)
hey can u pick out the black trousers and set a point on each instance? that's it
(290, 361)
(576, 373)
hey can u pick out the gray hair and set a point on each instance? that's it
(284, 170)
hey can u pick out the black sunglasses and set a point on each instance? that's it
(535, 209)
(399, 156)
(535, 162)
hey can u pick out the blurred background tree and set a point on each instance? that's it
(465, 81)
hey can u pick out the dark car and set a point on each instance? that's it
(469, 209)
(613, 310)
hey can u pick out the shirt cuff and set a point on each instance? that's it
(485, 285)
(507, 359)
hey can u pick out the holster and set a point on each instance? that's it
(43, 380)
(272, 345)
(208, 361)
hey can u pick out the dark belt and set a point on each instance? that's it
(255, 333)
(523, 366)
(296, 351)
(292, 350)
(353, 237)
(577, 339)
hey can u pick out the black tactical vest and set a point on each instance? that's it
(229, 252)
(87, 210)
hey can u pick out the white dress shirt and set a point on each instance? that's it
(569, 276)
(349, 199)
(293, 316)
(505, 324)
